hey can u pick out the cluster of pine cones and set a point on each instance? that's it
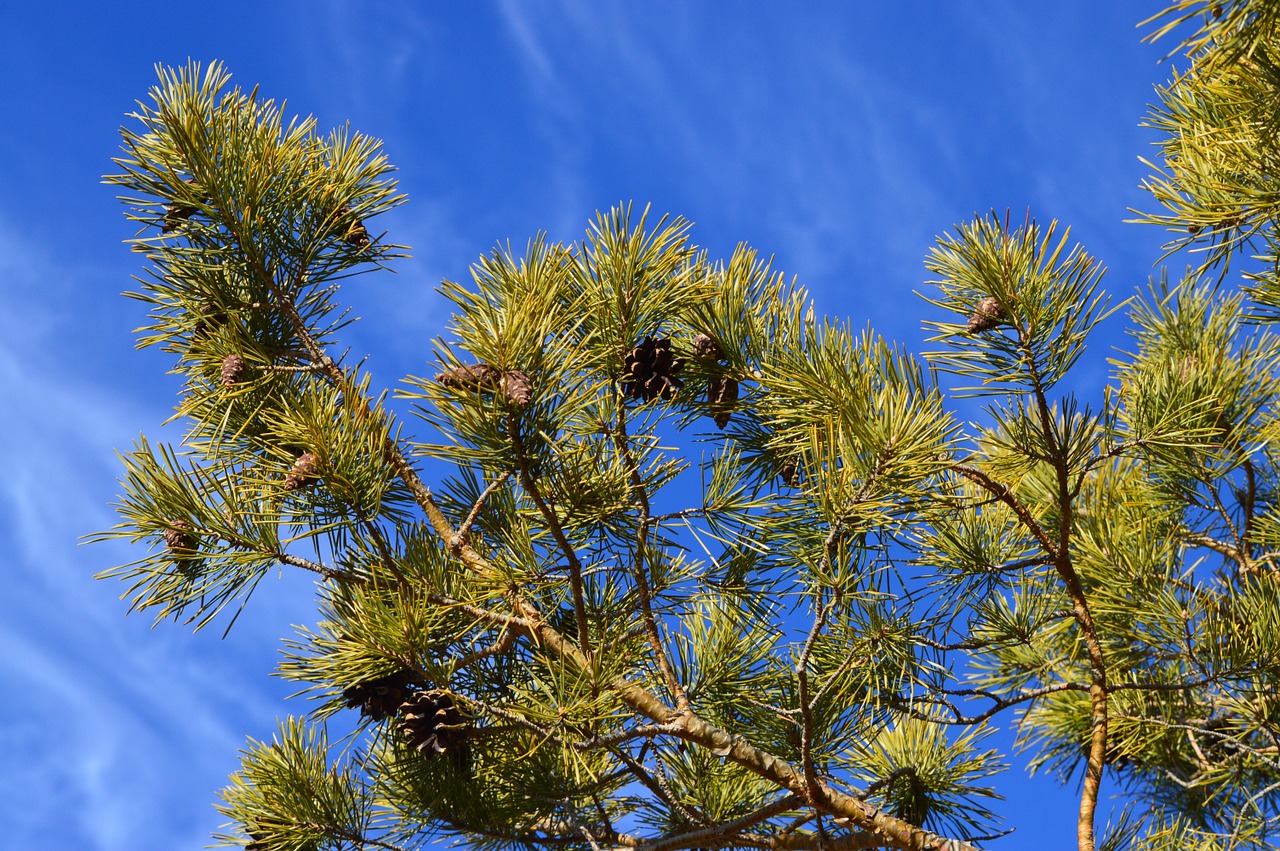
(650, 371)
(987, 314)
(430, 720)
(513, 384)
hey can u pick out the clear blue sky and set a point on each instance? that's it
(839, 137)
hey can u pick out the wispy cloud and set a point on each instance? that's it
(107, 725)
(839, 152)
(752, 140)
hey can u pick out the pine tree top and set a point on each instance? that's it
(707, 570)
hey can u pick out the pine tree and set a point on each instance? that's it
(609, 625)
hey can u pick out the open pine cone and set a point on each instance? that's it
(380, 698)
(432, 723)
(649, 371)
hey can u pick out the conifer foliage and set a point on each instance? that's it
(626, 629)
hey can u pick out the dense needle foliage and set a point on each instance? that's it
(702, 569)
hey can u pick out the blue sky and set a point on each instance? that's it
(839, 137)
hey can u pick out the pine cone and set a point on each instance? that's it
(177, 212)
(303, 473)
(233, 369)
(722, 393)
(210, 317)
(515, 385)
(790, 472)
(475, 376)
(705, 347)
(357, 235)
(432, 723)
(986, 315)
(348, 228)
(182, 542)
(260, 830)
(380, 698)
(649, 371)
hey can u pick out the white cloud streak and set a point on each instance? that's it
(109, 729)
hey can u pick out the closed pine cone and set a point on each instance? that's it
(986, 315)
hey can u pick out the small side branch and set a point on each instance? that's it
(504, 643)
(641, 574)
(292, 560)
(813, 788)
(999, 703)
(728, 830)
(1003, 494)
(557, 531)
(465, 529)
(1222, 548)
(660, 789)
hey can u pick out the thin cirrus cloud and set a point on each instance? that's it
(107, 725)
(839, 137)
(812, 145)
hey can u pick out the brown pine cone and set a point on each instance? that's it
(233, 369)
(475, 376)
(349, 228)
(987, 315)
(649, 371)
(303, 473)
(211, 317)
(515, 385)
(178, 211)
(722, 394)
(705, 347)
(432, 723)
(181, 540)
(790, 472)
(382, 697)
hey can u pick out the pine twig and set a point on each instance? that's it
(644, 597)
(557, 531)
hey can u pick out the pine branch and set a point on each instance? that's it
(557, 531)
(639, 570)
(465, 529)
(813, 790)
(1003, 494)
(728, 831)
(999, 703)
